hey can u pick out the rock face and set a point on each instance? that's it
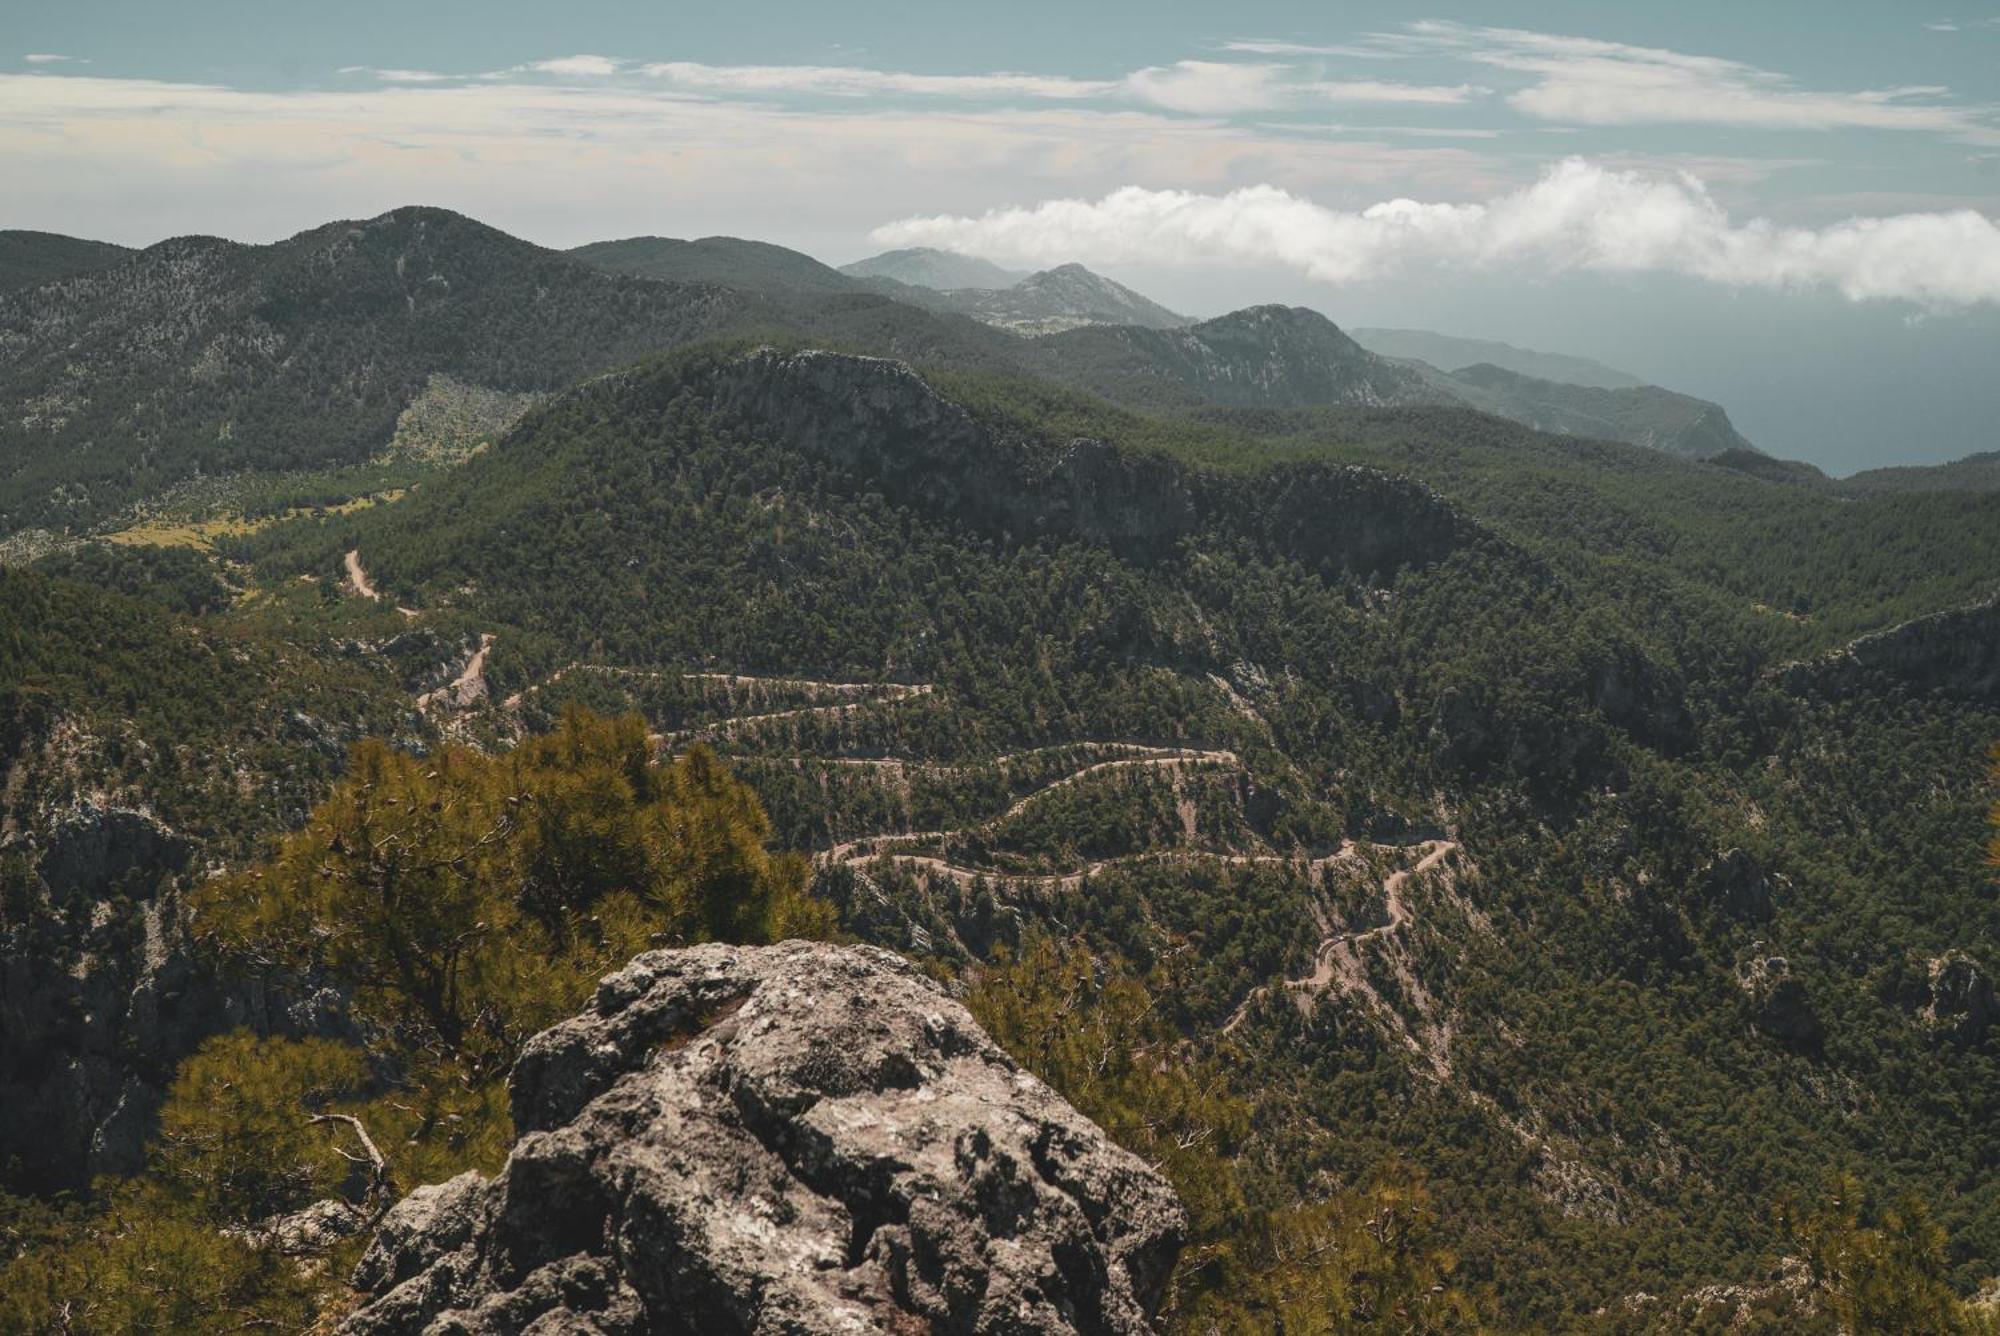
(101, 995)
(801, 1138)
(1954, 653)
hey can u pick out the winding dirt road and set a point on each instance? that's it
(1337, 957)
(357, 579)
(469, 687)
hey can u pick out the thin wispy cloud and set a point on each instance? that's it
(850, 81)
(1264, 46)
(1586, 81)
(50, 58)
(588, 67)
(1377, 90)
(1578, 216)
(397, 76)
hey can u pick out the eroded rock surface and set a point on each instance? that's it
(801, 1138)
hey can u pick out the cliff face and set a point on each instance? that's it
(801, 1138)
(1954, 653)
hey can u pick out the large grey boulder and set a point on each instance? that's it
(801, 1138)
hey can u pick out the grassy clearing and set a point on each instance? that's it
(202, 534)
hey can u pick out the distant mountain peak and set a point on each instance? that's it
(929, 267)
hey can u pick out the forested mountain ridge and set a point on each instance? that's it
(1453, 786)
(1263, 356)
(733, 262)
(205, 356)
(1488, 826)
(31, 258)
(1974, 473)
(420, 334)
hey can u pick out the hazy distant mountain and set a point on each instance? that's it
(1449, 353)
(1066, 297)
(751, 266)
(1262, 356)
(926, 267)
(28, 258)
(1974, 473)
(1645, 415)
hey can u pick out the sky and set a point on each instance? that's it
(1791, 208)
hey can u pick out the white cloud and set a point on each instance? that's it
(1210, 87)
(1265, 46)
(1375, 90)
(46, 58)
(1578, 216)
(589, 67)
(1585, 81)
(570, 162)
(855, 81)
(1196, 87)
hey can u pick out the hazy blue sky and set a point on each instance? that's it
(1785, 206)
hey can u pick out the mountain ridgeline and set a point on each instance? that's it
(1499, 877)
(200, 357)
(28, 259)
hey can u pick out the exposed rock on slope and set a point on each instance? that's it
(1954, 653)
(801, 1138)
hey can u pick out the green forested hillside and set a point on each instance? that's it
(1514, 825)
(31, 258)
(1488, 830)
(731, 262)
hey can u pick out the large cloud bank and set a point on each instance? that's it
(1578, 216)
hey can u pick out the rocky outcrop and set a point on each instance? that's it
(101, 993)
(1962, 1002)
(1954, 653)
(801, 1138)
(1781, 1007)
(95, 850)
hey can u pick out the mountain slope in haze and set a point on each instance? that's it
(1679, 424)
(1974, 473)
(29, 258)
(1291, 357)
(1262, 356)
(927, 267)
(1447, 353)
(1066, 297)
(732, 262)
